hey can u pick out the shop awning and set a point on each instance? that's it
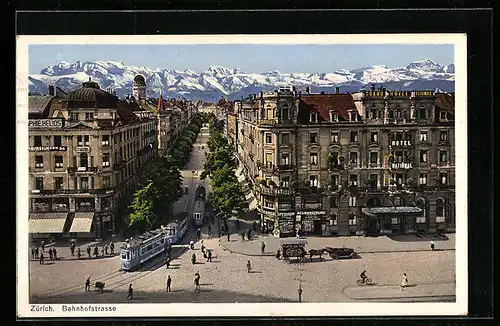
(239, 171)
(241, 177)
(375, 211)
(253, 205)
(47, 222)
(82, 222)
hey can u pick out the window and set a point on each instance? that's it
(353, 116)
(353, 157)
(80, 140)
(423, 136)
(313, 137)
(313, 117)
(374, 137)
(390, 114)
(423, 156)
(440, 211)
(443, 135)
(333, 219)
(84, 160)
(423, 179)
(105, 159)
(353, 179)
(285, 159)
(106, 181)
(285, 182)
(443, 156)
(37, 141)
(334, 137)
(74, 116)
(313, 181)
(285, 139)
(105, 140)
(269, 138)
(443, 178)
(443, 116)
(268, 203)
(394, 220)
(58, 161)
(354, 136)
(335, 181)
(87, 140)
(58, 182)
(373, 157)
(84, 183)
(352, 219)
(374, 180)
(39, 183)
(39, 161)
(57, 141)
(285, 112)
(269, 160)
(422, 114)
(334, 116)
(373, 113)
(89, 116)
(314, 158)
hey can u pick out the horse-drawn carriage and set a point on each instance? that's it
(293, 250)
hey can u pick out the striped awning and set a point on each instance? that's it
(82, 222)
(374, 211)
(47, 222)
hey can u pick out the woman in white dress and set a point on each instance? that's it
(404, 281)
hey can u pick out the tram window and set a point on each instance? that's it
(124, 255)
(149, 248)
(128, 255)
(162, 241)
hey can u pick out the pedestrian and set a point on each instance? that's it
(87, 284)
(167, 262)
(193, 259)
(262, 248)
(255, 226)
(32, 252)
(191, 244)
(198, 234)
(432, 245)
(197, 282)
(202, 248)
(249, 266)
(102, 251)
(404, 281)
(106, 249)
(79, 253)
(130, 292)
(36, 252)
(54, 252)
(278, 254)
(88, 252)
(249, 234)
(42, 245)
(96, 251)
(242, 236)
(237, 224)
(169, 283)
(209, 254)
(41, 258)
(112, 246)
(50, 254)
(228, 237)
(72, 249)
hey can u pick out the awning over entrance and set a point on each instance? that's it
(375, 211)
(47, 222)
(82, 222)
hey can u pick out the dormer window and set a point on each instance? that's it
(443, 116)
(313, 117)
(353, 116)
(334, 116)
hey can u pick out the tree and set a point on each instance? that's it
(141, 209)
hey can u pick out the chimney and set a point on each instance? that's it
(308, 90)
(52, 90)
(337, 90)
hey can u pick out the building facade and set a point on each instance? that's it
(376, 161)
(87, 150)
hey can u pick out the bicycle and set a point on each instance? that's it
(366, 281)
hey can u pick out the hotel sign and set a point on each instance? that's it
(45, 123)
(402, 143)
(401, 166)
(46, 148)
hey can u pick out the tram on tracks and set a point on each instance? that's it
(199, 212)
(139, 249)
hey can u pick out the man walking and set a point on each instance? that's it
(262, 248)
(209, 255)
(130, 292)
(79, 253)
(167, 262)
(197, 282)
(112, 247)
(432, 245)
(249, 266)
(41, 258)
(87, 284)
(404, 281)
(54, 252)
(169, 283)
(50, 254)
(88, 252)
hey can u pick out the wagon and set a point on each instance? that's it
(293, 250)
(336, 253)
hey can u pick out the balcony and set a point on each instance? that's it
(74, 191)
(274, 191)
(285, 167)
(84, 169)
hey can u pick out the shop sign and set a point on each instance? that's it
(83, 149)
(47, 148)
(312, 213)
(401, 166)
(286, 214)
(45, 123)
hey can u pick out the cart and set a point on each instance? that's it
(99, 286)
(293, 250)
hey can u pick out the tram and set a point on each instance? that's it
(199, 212)
(144, 247)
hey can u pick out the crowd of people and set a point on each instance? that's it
(38, 252)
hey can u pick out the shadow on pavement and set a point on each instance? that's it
(418, 237)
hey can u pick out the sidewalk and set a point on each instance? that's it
(378, 292)
(360, 244)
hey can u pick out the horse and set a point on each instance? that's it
(316, 252)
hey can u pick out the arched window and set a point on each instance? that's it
(440, 211)
(285, 112)
(84, 161)
(421, 204)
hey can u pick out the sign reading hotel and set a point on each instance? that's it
(45, 123)
(402, 143)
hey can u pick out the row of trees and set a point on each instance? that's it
(227, 197)
(162, 186)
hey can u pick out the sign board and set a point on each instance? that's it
(402, 143)
(45, 123)
(401, 166)
(83, 149)
(312, 213)
(47, 148)
(283, 214)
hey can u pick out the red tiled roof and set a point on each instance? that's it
(445, 101)
(324, 103)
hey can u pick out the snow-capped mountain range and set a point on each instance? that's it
(217, 81)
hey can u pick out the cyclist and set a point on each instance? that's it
(363, 276)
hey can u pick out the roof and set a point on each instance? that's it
(445, 101)
(324, 103)
(82, 222)
(38, 103)
(90, 95)
(47, 222)
(126, 110)
(373, 211)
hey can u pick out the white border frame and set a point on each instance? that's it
(250, 309)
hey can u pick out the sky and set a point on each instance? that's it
(250, 58)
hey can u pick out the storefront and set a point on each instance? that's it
(286, 222)
(267, 222)
(310, 222)
(391, 220)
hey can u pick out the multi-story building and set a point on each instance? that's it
(86, 152)
(375, 162)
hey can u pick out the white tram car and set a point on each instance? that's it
(199, 212)
(142, 248)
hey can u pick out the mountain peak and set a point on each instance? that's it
(425, 65)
